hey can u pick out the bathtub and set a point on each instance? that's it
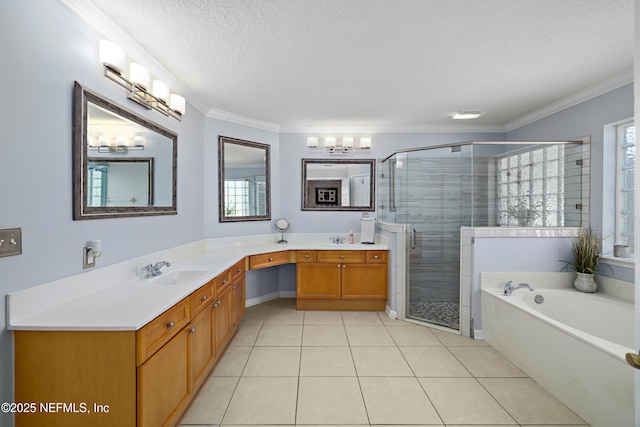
(573, 344)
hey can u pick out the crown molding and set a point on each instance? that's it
(97, 19)
(242, 120)
(584, 95)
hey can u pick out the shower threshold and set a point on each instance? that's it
(441, 313)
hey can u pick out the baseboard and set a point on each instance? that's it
(269, 297)
(392, 314)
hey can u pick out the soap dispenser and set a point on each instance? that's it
(352, 239)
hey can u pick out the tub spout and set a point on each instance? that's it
(508, 287)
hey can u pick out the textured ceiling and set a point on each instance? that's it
(381, 63)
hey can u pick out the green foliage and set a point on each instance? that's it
(586, 250)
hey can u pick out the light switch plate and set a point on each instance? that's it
(10, 241)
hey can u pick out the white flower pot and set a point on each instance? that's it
(585, 282)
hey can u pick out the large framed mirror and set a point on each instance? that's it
(338, 185)
(124, 165)
(244, 180)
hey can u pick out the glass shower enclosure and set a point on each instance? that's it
(437, 190)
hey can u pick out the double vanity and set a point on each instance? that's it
(109, 347)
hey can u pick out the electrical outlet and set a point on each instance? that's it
(10, 241)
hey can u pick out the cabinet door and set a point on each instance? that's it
(364, 281)
(163, 383)
(318, 281)
(223, 319)
(238, 302)
(202, 346)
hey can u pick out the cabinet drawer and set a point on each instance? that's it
(268, 260)
(200, 298)
(237, 270)
(156, 333)
(376, 257)
(222, 282)
(341, 256)
(305, 256)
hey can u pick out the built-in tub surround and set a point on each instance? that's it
(573, 344)
(116, 297)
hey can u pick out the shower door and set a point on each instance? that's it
(433, 195)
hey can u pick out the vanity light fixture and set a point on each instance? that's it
(330, 145)
(91, 251)
(119, 144)
(154, 96)
(466, 115)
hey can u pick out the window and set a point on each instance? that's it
(531, 188)
(625, 170)
(236, 195)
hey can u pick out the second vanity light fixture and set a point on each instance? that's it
(151, 95)
(331, 146)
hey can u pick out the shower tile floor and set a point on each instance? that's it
(443, 313)
(288, 367)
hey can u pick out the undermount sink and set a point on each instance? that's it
(339, 245)
(178, 277)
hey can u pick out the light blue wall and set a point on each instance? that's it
(44, 48)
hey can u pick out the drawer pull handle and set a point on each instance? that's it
(306, 256)
(204, 298)
(270, 259)
(375, 257)
(235, 286)
(339, 266)
(344, 266)
(214, 305)
(224, 281)
(171, 324)
(192, 330)
(238, 270)
(219, 302)
(341, 256)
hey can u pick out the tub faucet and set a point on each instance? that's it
(153, 270)
(508, 287)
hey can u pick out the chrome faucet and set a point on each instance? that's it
(153, 270)
(337, 240)
(508, 287)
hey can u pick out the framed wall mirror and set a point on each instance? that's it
(244, 180)
(338, 185)
(124, 165)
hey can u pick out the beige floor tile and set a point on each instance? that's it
(380, 362)
(413, 335)
(246, 335)
(326, 336)
(232, 362)
(361, 318)
(269, 400)
(284, 316)
(327, 362)
(280, 335)
(369, 336)
(454, 340)
(464, 401)
(212, 401)
(486, 362)
(397, 400)
(384, 317)
(330, 400)
(433, 362)
(529, 403)
(273, 362)
(323, 318)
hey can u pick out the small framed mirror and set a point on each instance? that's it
(338, 185)
(244, 180)
(124, 165)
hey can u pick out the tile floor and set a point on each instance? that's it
(288, 367)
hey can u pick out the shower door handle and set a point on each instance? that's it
(413, 238)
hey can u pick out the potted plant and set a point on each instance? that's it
(586, 251)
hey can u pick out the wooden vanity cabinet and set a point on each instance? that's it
(270, 259)
(143, 378)
(341, 280)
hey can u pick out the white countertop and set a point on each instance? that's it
(116, 297)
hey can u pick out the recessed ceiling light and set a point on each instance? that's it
(466, 115)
